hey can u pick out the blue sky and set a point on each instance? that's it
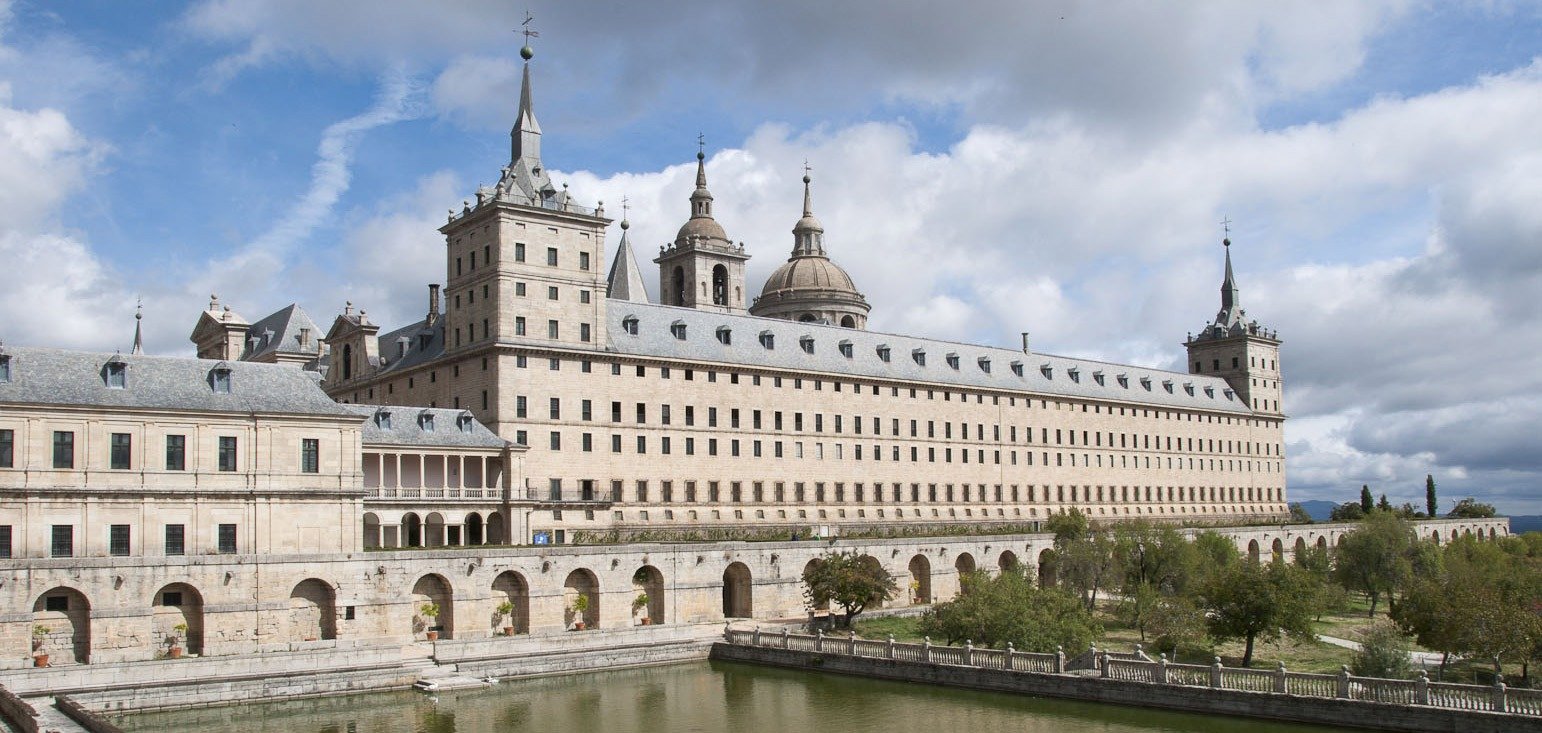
(982, 169)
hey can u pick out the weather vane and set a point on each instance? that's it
(1226, 228)
(701, 142)
(527, 30)
(806, 168)
(625, 206)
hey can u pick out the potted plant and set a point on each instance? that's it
(915, 591)
(640, 603)
(39, 635)
(506, 611)
(580, 607)
(174, 651)
(429, 612)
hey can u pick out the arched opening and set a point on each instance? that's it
(738, 592)
(1322, 542)
(920, 580)
(872, 564)
(964, 563)
(312, 611)
(1253, 550)
(1277, 551)
(176, 619)
(412, 530)
(1300, 550)
(371, 530)
(812, 564)
(433, 530)
(497, 534)
(648, 603)
(474, 533)
(677, 287)
(511, 598)
(581, 584)
(807, 318)
(719, 285)
(66, 615)
(1007, 562)
(1048, 568)
(433, 606)
(1435, 536)
(1467, 531)
(848, 322)
(1493, 533)
(347, 361)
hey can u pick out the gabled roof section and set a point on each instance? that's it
(625, 281)
(450, 428)
(279, 333)
(411, 345)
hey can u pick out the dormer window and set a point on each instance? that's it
(5, 367)
(629, 324)
(383, 419)
(1227, 392)
(464, 422)
(677, 329)
(919, 355)
(1210, 392)
(117, 375)
(1047, 370)
(985, 364)
(1075, 374)
(426, 421)
(845, 348)
(219, 378)
(1146, 382)
(725, 335)
(1167, 384)
(883, 352)
(952, 359)
(1017, 368)
(1098, 377)
(1189, 388)
(768, 339)
(807, 344)
(1124, 381)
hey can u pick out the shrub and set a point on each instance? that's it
(1383, 652)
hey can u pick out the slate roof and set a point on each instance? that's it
(280, 332)
(59, 377)
(397, 355)
(1041, 373)
(407, 428)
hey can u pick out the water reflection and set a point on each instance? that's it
(693, 697)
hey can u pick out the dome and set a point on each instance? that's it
(808, 273)
(701, 226)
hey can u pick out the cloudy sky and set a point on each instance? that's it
(981, 168)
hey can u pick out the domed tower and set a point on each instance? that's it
(1239, 350)
(702, 268)
(809, 287)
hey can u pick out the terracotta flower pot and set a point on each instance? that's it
(40, 660)
(433, 636)
(508, 631)
(578, 626)
(174, 652)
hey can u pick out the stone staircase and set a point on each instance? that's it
(436, 677)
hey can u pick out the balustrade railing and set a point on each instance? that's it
(1137, 667)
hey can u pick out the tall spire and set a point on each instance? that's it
(526, 135)
(701, 198)
(139, 340)
(808, 234)
(1229, 299)
(625, 279)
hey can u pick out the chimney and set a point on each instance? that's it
(1025, 342)
(433, 304)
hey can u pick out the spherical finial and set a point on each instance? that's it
(1226, 242)
(700, 155)
(527, 53)
(806, 179)
(625, 225)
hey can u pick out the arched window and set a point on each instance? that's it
(679, 287)
(347, 361)
(719, 285)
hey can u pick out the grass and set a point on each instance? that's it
(904, 628)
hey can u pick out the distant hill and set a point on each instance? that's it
(1526, 523)
(1320, 510)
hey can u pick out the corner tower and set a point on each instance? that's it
(1240, 351)
(809, 287)
(702, 268)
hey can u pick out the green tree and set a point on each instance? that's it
(848, 580)
(1298, 514)
(1366, 502)
(1178, 626)
(1383, 652)
(1068, 526)
(1471, 508)
(1431, 611)
(1151, 562)
(1382, 505)
(1374, 558)
(1431, 506)
(1086, 565)
(992, 611)
(1253, 600)
(1349, 511)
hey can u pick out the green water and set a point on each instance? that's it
(706, 696)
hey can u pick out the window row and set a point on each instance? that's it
(470, 258)
(120, 452)
(798, 492)
(61, 540)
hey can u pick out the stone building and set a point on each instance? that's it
(698, 415)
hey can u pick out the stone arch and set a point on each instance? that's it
(1493, 533)
(1435, 536)
(807, 318)
(1008, 562)
(848, 322)
(433, 530)
(1253, 550)
(738, 592)
(497, 533)
(810, 565)
(475, 531)
(511, 588)
(66, 613)
(1300, 550)
(433, 589)
(920, 580)
(871, 563)
(347, 362)
(1322, 542)
(964, 563)
(648, 580)
(581, 582)
(173, 605)
(1277, 551)
(719, 285)
(1049, 569)
(678, 287)
(1467, 531)
(412, 530)
(371, 530)
(312, 611)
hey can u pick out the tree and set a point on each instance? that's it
(1349, 511)
(1431, 506)
(1374, 558)
(992, 611)
(1383, 505)
(1471, 508)
(1068, 526)
(1151, 562)
(1431, 611)
(1086, 565)
(1298, 514)
(1366, 502)
(1252, 600)
(848, 580)
(1383, 652)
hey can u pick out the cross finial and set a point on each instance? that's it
(1226, 228)
(527, 30)
(806, 168)
(626, 206)
(701, 142)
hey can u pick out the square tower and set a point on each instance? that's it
(1240, 351)
(702, 268)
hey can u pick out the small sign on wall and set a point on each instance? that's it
(541, 538)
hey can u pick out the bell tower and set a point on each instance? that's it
(1240, 351)
(702, 268)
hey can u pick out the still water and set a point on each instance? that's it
(706, 696)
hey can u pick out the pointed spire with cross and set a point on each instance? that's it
(139, 316)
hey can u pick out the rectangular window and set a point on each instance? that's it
(551, 329)
(227, 539)
(551, 256)
(519, 325)
(556, 408)
(584, 333)
(310, 455)
(521, 406)
(556, 440)
(176, 453)
(7, 449)
(176, 536)
(583, 260)
(5, 541)
(118, 540)
(63, 541)
(227, 454)
(64, 449)
(519, 251)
